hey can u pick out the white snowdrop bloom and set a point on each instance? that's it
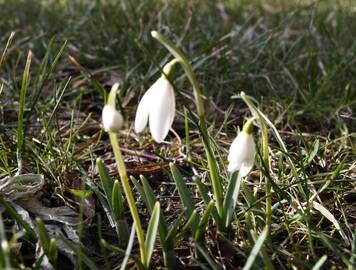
(242, 152)
(157, 107)
(112, 119)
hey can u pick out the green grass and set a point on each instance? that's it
(296, 58)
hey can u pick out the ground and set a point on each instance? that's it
(295, 58)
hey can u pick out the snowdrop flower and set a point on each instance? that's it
(112, 119)
(157, 107)
(242, 151)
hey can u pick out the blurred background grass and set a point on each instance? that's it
(299, 55)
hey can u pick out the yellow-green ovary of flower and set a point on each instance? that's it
(242, 153)
(157, 107)
(112, 119)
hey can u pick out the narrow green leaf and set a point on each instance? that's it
(53, 252)
(31, 233)
(152, 232)
(353, 252)
(202, 250)
(204, 221)
(248, 195)
(319, 264)
(88, 261)
(121, 252)
(106, 181)
(204, 193)
(141, 191)
(43, 235)
(184, 194)
(172, 232)
(256, 249)
(117, 203)
(203, 190)
(231, 196)
(193, 219)
(314, 152)
(129, 247)
(44, 73)
(326, 213)
(58, 56)
(151, 199)
(22, 102)
(83, 193)
(4, 250)
(4, 53)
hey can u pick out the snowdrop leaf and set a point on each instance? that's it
(231, 196)
(152, 231)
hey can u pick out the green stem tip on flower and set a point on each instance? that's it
(248, 126)
(168, 69)
(112, 95)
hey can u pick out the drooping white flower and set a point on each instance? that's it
(242, 151)
(112, 119)
(157, 107)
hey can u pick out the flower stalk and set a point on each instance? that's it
(125, 181)
(130, 198)
(265, 157)
(213, 168)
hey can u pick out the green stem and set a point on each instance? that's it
(265, 158)
(214, 175)
(130, 198)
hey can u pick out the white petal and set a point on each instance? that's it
(162, 110)
(233, 167)
(112, 119)
(242, 154)
(143, 110)
(245, 168)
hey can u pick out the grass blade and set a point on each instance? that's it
(142, 192)
(122, 252)
(166, 242)
(20, 126)
(231, 196)
(204, 222)
(117, 202)
(31, 233)
(184, 194)
(152, 232)
(202, 250)
(118, 213)
(319, 263)
(326, 213)
(105, 179)
(53, 252)
(353, 253)
(89, 262)
(4, 53)
(128, 248)
(172, 233)
(192, 220)
(4, 250)
(43, 235)
(256, 249)
(204, 193)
